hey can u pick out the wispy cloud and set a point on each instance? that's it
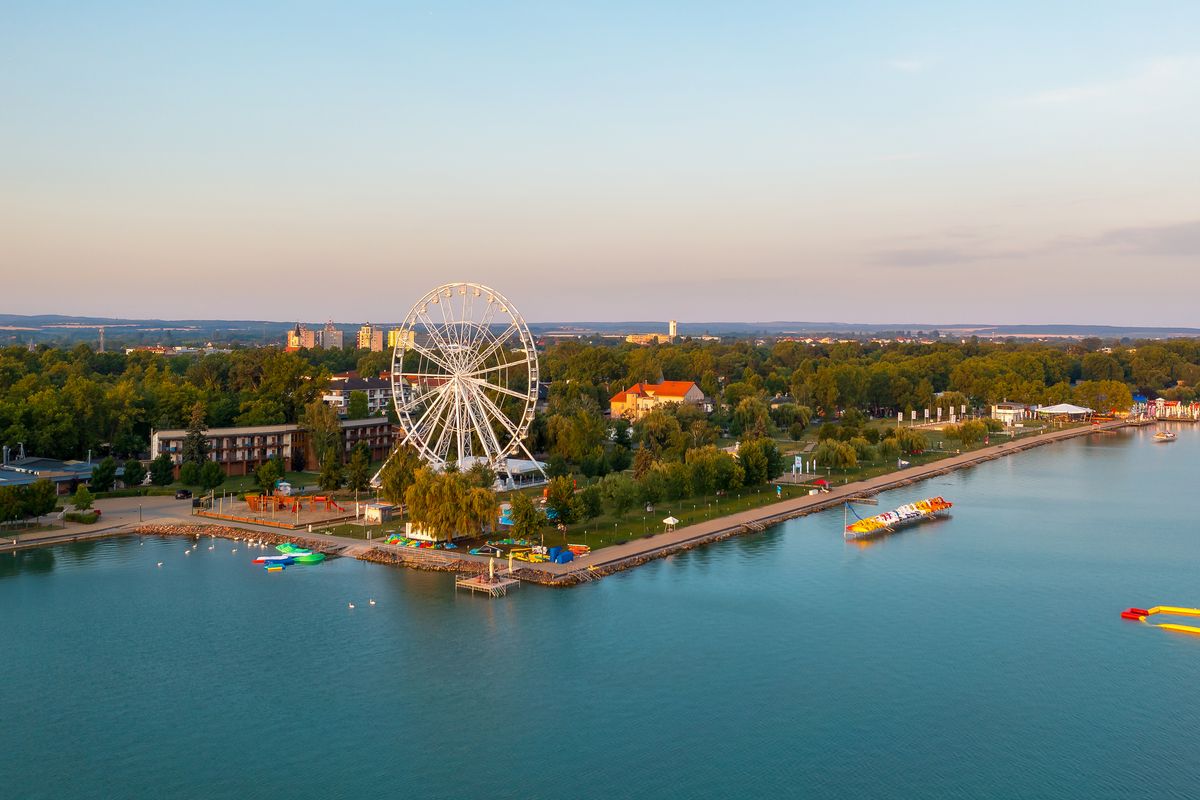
(1150, 83)
(915, 257)
(1173, 240)
(1180, 239)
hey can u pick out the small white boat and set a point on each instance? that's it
(1164, 436)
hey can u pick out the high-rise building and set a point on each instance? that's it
(330, 337)
(370, 338)
(299, 337)
(396, 335)
(672, 329)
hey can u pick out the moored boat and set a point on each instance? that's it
(903, 516)
(1164, 436)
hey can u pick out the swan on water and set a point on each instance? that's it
(352, 605)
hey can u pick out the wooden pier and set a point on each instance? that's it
(495, 585)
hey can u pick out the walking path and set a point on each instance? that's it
(661, 544)
(159, 512)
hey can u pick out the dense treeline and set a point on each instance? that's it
(62, 403)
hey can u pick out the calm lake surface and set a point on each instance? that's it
(980, 656)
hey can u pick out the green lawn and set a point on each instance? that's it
(609, 529)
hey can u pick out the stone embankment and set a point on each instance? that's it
(618, 557)
(238, 534)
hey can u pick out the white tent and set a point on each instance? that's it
(670, 522)
(1064, 410)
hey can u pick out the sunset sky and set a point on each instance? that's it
(947, 162)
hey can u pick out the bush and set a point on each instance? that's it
(189, 473)
(84, 517)
(104, 475)
(162, 471)
(796, 431)
(838, 455)
(134, 473)
(862, 449)
(211, 475)
(82, 499)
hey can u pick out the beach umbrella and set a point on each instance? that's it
(670, 522)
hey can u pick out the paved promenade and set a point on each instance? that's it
(663, 543)
(124, 515)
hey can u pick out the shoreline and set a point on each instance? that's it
(609, 560)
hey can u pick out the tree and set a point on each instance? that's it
(862, 448)
(751, 417)
(1103, 396)
(444, 505)
(162, 470)
(889, 449)
(195, 444)
(358, 471)
(211, 475)
(836, 455)
(480, 511)
(324, 431)
(398, 473)
(189, 473)
(619, 492)
(761, 460)
(527, 519)
(357, 406)
(265, 475)
(911, 442)
(558, 498)
(12, 504)
(660, 432)
(330, 478)
(643, 461)
(104, 475)
(591, 502)
(83, 498)
(135, 473)
(481, 475)
(41, 497)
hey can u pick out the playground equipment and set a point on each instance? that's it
(1140, 615)
(266, 503)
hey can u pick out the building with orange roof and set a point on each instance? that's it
(642, 398)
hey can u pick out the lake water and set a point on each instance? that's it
(979, 656)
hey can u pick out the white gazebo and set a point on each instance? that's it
(1065, 411)
(670, 522)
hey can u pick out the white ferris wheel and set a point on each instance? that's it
(465, 378)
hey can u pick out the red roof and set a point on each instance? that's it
(665, 389)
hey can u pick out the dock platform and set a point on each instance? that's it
(496, 586)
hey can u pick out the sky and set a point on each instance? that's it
(1016, 162)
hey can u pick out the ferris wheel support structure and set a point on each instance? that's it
(465, 379)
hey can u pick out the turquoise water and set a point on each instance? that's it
(980, 656)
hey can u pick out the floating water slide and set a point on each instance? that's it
(1140, 614)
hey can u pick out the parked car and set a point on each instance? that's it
(183, 494)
